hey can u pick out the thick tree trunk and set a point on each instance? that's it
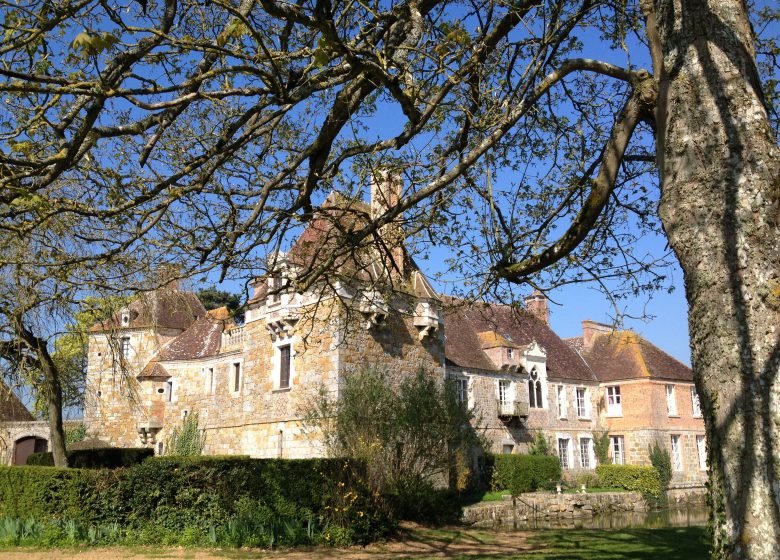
(720, 206)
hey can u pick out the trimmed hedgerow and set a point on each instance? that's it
(524, 473)
(630, 477)
(314, 500)
(101, 458)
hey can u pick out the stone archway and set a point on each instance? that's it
(12, 432)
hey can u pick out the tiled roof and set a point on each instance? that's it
(464, 347)
(201, 340)
(154, 370)
(161, 308)
(11, 408)
(626, 355)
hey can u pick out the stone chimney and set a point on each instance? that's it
(536, 305)
(385, 195)
(590, 329)
(168, 275)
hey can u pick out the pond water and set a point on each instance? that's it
(683, 517)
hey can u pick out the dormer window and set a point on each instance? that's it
(125, 318)
(535, 390)
(274, 288)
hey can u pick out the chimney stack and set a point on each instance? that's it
(590, 329)
(536, 305)
(386, 195)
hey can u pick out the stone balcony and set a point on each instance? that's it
(508, 410)
(233, 339)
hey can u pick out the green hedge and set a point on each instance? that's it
(630, 477)
(202, 496)
(102, 458)
(524, 473)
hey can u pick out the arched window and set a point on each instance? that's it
(534, 390)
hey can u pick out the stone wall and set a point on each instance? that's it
(11, 432)
(551, 506)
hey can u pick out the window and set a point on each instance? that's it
(235, 377)
(677, 462)
(169, 390)
(564, 445)
(275, 285)
(284, 366)
(614, 406)
(561, 401)
(618, 454)
(503, 391)
(701, 448)
(695, 403)
(582, 406)
(462, 390)
(125, 319)
(124, 347)
(507, 449)
(210, 380)
(534, 390)
(510, 353)
(671, 402)
(585, 451)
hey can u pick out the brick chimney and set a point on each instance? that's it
(536, 305)
(591, 328)
(385, 195)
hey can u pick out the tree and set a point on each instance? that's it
(210, 133)
(409, 432)
(212, 298)
(187, 439)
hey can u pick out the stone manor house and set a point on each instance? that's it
(164, 357)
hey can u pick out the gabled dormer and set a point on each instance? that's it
(502, 351)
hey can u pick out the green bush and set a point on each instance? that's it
(105, 458)
(170, 500)
(630, 477)
(525, 473)
(660, 459)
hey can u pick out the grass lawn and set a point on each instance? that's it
(457, 543)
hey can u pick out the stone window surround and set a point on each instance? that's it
(209, 379)
(232, 370)
(591, 450)
(675, 443)
(695, 403)
(616, 407)
(701, 450)
(568, 463)
(277, 364)
(617, 445)
(586, 407)
(560, 393)
(671, 400)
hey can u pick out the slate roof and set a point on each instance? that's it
(11, 408)
(626, 355)
(165, 308)
(464, 346)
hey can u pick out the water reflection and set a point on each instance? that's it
(687, 517)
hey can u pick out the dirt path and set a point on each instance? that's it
(413, 543)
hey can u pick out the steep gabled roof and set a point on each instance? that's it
(626, 355)
(11, 408)
(201, 340)
(163, 308)
(464, 345)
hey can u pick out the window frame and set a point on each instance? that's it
(504, 395)
(589, 452)
(124, 347)
(236, 377)
(535, 392)
(614, 408)
(678, 464)
(563, 405)
(671, 400)
(284, 366)
(618, 446)
(566, 463)
(582, 411)
(695, 403)
(701, 451)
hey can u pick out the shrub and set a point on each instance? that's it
(662, 462)
(630, 477)
(179, 500)
(525, 473)
(102, 458)
(540, 446)
(601, 447)
(187, 439)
